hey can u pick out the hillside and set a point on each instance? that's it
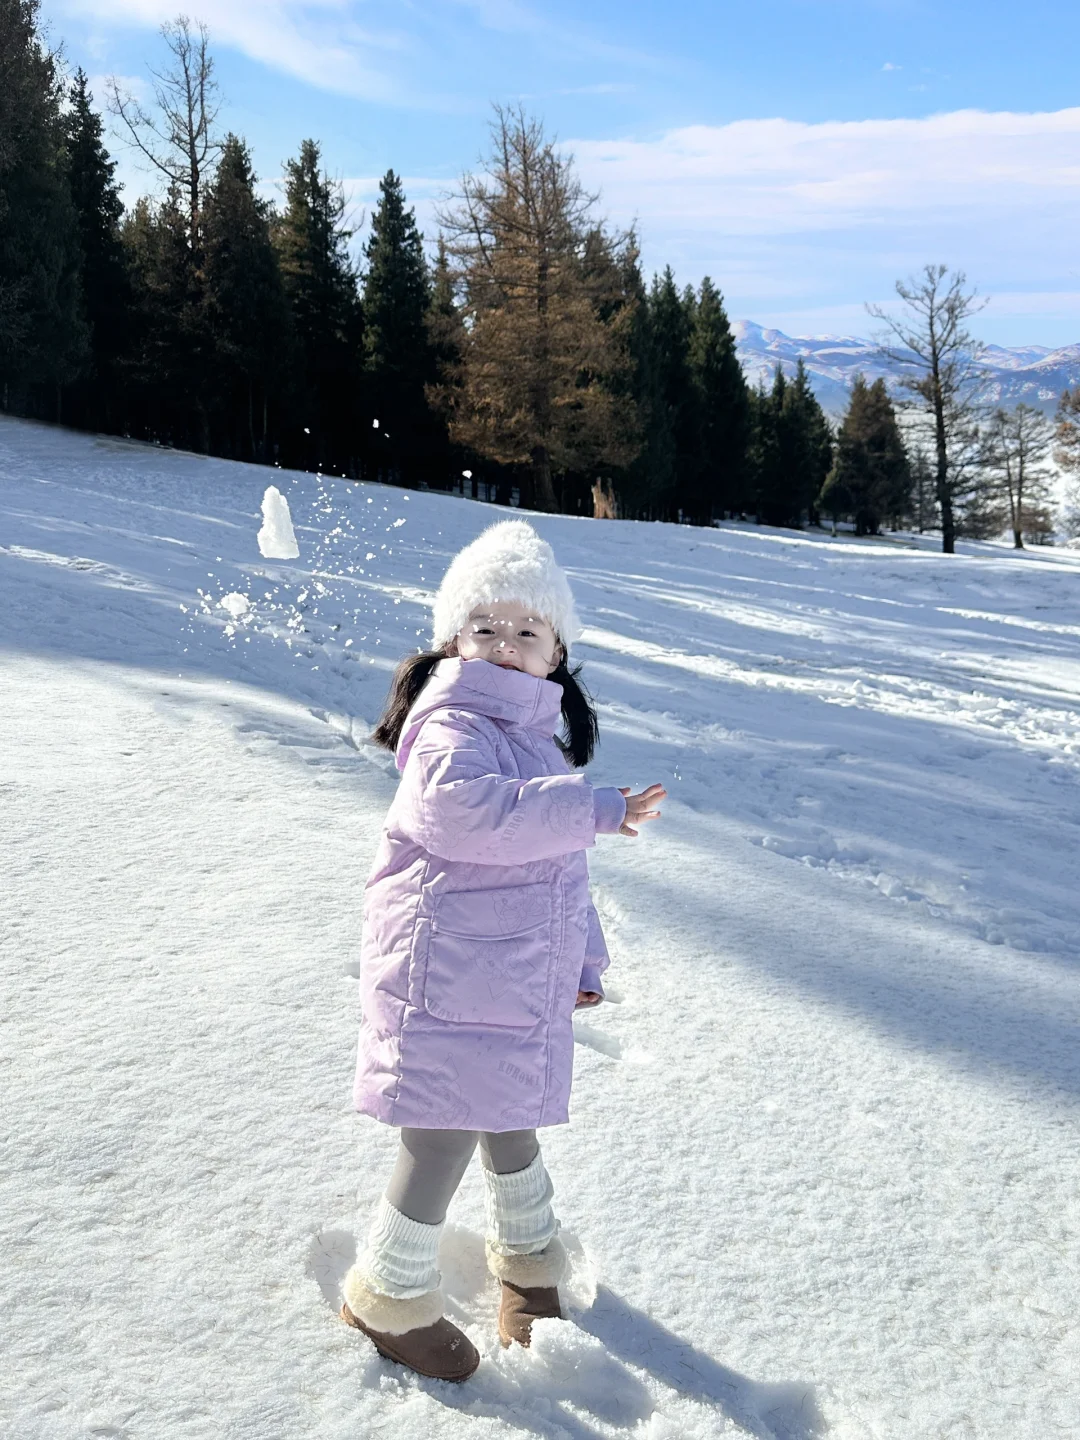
(823, 1167)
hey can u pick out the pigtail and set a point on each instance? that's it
(580, 727)
(410, 677)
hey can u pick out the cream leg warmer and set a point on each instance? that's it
(394, 1285)
(522, 1245)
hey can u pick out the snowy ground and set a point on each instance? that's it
(823, 1175)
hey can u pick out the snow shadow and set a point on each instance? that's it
(579, 1372)
(934, 992)
(781, 1411)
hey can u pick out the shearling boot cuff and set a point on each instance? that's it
(546, 1267)
(386, 1314)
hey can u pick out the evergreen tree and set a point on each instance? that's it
(43, 335)
(97, 399)
(806, 444)
(311, 240)
(172, 351)
(723, 412)
(770, 494)
(671, 449)
(398, 356)
(246, 312)
(871, 478)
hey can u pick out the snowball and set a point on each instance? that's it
(236, 604)
(276, 538)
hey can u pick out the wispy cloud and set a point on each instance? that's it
(316, 41)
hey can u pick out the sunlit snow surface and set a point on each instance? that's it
(823, 1174)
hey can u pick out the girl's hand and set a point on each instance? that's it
(587, 997)
(641, 807)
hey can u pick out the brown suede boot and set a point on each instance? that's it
(521, 1305)
(411, 1332)
(529, 1290)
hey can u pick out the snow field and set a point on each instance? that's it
(822, 1173)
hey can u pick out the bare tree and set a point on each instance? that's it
(1015, 447)
(940, 363)
(1067, 455)
(541, 337)
(180, 142)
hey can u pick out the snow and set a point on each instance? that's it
(277, 540)
(823, 1171)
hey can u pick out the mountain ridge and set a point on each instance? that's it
(1034, 374)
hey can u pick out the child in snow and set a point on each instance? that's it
(479, 940)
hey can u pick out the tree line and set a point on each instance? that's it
(526, 357)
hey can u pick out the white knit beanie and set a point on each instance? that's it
(509, 561)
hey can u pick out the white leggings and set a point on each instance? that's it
(430, 1164)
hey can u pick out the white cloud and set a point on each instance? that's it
(315, 41)
(756, 177)
(796, 220)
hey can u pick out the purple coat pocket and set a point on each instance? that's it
(488, 956)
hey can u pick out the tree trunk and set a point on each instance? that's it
(1018, 540)
(543, 489)
(948, 522)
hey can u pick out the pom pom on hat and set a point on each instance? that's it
(509, 561)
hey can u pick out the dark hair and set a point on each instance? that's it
(580, 729)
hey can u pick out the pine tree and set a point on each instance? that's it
(671, 448)
(97, 400)
(806, 444)
(398, 356)
(173, 384)
(43, 335)
(311, 239)
(770, 494)
(246, 312)
(871, 478)
(723, 411)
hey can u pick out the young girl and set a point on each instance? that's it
(479, 940)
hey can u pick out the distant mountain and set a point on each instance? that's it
(1032, 373)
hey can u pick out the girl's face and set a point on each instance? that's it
(505, 633)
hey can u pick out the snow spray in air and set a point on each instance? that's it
(277, 539)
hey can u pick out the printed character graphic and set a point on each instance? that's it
(567, 814)
(521, 909)
(442, 1099)
(504, 966)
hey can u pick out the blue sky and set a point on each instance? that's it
(803, 152)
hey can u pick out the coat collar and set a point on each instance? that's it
(509, 696)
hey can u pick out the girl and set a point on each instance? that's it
(479, 939)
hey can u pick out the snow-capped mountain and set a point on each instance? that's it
(1035, 374)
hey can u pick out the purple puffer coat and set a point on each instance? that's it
(478, 927)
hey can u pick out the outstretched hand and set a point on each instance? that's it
(640, 808)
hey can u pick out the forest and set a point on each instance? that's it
(520, 355)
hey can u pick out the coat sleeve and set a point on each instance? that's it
(457, 805)
(596, 955)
